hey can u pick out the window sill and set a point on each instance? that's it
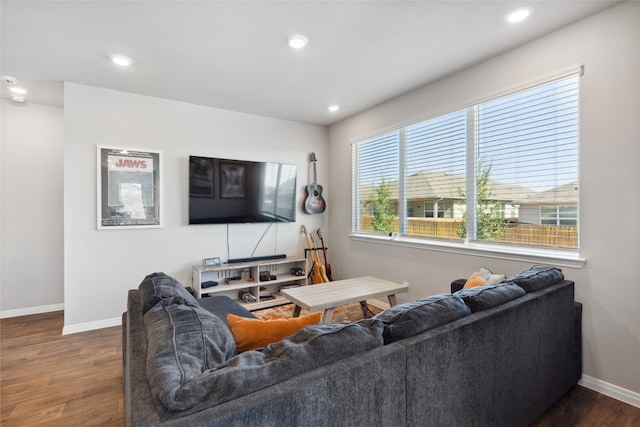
(556, 257)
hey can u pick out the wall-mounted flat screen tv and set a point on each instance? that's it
(225, 191)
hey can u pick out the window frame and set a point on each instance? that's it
(559, 256)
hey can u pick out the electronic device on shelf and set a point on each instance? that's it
(211, 262)
(297, 271)
(246, 297)
(266, 276)
(209, 284)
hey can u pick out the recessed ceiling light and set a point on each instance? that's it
(18, 90)
(519, 14)
(121, 60)
(18, 99)
(297, 41)
(333, 108)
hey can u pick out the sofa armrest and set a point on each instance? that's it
(457, 284)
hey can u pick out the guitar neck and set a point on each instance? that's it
(324, 249)
(315, 177)
(312, 253)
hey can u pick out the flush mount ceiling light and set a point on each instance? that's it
(9, 80)
(297, 41)
(333, 108)
(121, 60)
(18, 90)
(517, 15)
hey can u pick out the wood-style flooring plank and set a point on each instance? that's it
(586, 408)
(47, 379)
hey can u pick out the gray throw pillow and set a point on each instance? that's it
(183, 342)
(484, 297)
(537, 277)
(411, 318)
(159, 286)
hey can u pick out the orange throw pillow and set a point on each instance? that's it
(475, 280)
(255, 333)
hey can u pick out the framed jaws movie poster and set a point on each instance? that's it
(128, 188)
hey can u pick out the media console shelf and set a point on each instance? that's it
(246, 276)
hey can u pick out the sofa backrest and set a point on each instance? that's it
(498, 367)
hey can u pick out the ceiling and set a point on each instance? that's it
(232, 54)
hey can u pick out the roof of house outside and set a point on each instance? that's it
(440, 185)
(563, 194)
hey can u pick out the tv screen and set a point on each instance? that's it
(224, 191)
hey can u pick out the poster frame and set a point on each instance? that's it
(142, 190)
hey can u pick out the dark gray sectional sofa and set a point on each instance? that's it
(498, 355)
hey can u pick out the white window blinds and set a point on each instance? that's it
(435, 174)
(527, 157)
(493, 172)
(376, 166)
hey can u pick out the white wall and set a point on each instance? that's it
(32, 233)
(608, 45)
(100, 266)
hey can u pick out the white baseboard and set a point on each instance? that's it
(31, 310)
(611, 390)
(90, 326)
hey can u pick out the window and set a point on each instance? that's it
(277, 195)
(502, 171)
(434, 210)
(559, 215)
(376, 164)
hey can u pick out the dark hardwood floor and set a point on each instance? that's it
(54, 380)
(76, 380)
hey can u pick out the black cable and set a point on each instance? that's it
(228, 251)
(263, 234)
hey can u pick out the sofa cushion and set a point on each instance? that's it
(158, 286)
(221, 305)
(484, 297)
(411, 318)
(254, 333)
(183, 341)
(310, 348)
(537, 277)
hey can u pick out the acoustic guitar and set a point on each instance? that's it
(318, 274)
(327, 266)
(315, 203)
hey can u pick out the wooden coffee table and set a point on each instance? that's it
(327, 296)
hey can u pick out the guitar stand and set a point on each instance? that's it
(306, 252)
